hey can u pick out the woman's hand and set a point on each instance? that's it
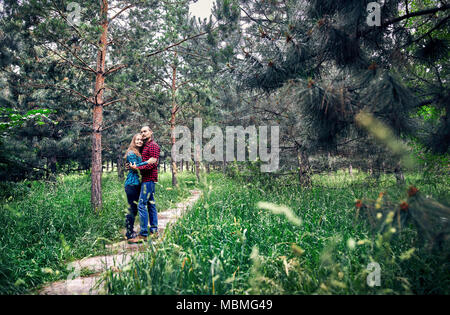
(133, 166)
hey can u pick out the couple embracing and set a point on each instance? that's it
(142, 156)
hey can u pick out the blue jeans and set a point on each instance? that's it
(147, 196)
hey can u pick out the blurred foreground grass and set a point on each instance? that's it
(228, 245)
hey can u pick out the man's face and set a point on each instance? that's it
(146, 133)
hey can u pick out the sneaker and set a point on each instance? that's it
(132, 235)
(138, 239)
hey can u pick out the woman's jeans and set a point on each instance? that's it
(133, 192)
(147, 196)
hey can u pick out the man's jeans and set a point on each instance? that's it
(147, 192)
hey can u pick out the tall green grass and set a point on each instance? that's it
(227, 245)
(45, 225)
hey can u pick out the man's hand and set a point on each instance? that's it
(152, 160)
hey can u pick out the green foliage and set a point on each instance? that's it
(10, 118)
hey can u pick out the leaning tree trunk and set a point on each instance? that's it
(96, 188)
(172, 122)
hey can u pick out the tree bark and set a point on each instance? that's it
(172, 121)
(96, 188)
(304, 174)
(329, 163)
(399, 175)
(120, 166)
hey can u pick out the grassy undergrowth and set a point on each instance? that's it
(45, 225)
(227, 245)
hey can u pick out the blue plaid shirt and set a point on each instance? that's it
(133, 176)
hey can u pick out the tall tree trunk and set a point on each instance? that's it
(329, 163)
(350, 169)
(197, 163)
(181, 166)
(304, 169)
(399, 175)
(120, 166)
(52, 165)
(207, 167)
(96, 188)
(172, 121)
(164, 166)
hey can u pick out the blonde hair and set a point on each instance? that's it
(133, 148)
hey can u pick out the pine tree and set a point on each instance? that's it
(336, 65)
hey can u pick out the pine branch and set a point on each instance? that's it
(118, 13)
(403, 17)
(115, 68)
(115, 101)
(43, 86)
(413, 14)
(89, 69)
(179, 43)
(437, 26)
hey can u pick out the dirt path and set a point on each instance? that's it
(121, 255)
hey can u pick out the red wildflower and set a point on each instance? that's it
(404, 206)
(412, 191)
(358, 204)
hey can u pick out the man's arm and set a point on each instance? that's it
(152, 151)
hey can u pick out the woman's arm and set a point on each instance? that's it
(149, 161)
(135, 165)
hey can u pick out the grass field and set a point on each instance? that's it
(228, 245)
(45, 225)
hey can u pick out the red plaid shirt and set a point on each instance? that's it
(149, 172)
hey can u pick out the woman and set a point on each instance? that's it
(132, 183)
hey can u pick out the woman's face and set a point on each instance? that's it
(138, 141)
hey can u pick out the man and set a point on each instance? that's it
(149, 174)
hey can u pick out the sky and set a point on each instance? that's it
(201, 9)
